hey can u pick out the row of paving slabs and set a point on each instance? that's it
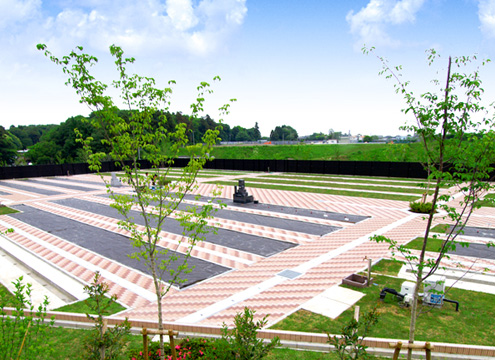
(117, 247)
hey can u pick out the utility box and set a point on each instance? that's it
(434, 290)
(407, 288)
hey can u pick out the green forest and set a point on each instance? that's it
(56, 144)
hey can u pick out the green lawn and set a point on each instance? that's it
(4, 210)
(67, 344)
(352, 152)
(355, 180)
(6, 296)
(81, 307)
(339, 185)
(358, 177)
(387, 267)
(432, 244)
(289, 354)
(473, 324)
(488, 201)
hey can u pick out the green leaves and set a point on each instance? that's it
(456, 131)
(141, 133)
(102, 343)
(24, 333)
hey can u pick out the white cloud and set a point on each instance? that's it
(191, 26)
(181, 14)
(371, 23)
(12, 11)
(486, 14)
(405, 11)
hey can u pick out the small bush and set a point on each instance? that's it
(102, 343)
(349, 346)
(420, 207)
(241, 342)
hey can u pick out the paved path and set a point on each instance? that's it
(275, 285)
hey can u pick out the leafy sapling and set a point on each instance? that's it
(456, 132)
(140, 133)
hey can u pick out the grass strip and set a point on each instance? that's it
(433, 244)
(81, 307)
(387, 267)
(440, 228)
(361, 177)
(344, 180)
(290, 354)
(4, 210)
(488, 201)
(471, 325)
(324, 191)
(339, 185)
(6, 296)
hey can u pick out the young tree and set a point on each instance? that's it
(455, 130)
(142, 133)
(102, 343)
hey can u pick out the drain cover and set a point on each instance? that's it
(289, 274)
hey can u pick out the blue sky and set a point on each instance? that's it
(294, 63)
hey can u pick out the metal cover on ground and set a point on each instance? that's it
(289, 274)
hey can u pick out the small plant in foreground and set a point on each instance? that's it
(241, 342)
(103, 343)
(349, 346)
(23, 334)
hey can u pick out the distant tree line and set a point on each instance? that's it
(56, 144)
(322, 137)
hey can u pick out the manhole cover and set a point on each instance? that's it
(289, 274)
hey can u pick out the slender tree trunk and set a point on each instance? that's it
(158, 292)
(441, 159)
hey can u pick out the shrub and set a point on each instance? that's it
(102, 343)
(420, 207)
(241, 342)
(350, 346)
(23, 335)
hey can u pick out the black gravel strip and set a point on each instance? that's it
(475, 250)
(278, 223)
(4, 193)
(111, 245)
(65, 186)
(249, 243)
(30, 189)
(479, 232)
(318, 214)
(102, 184)
(262, 220)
